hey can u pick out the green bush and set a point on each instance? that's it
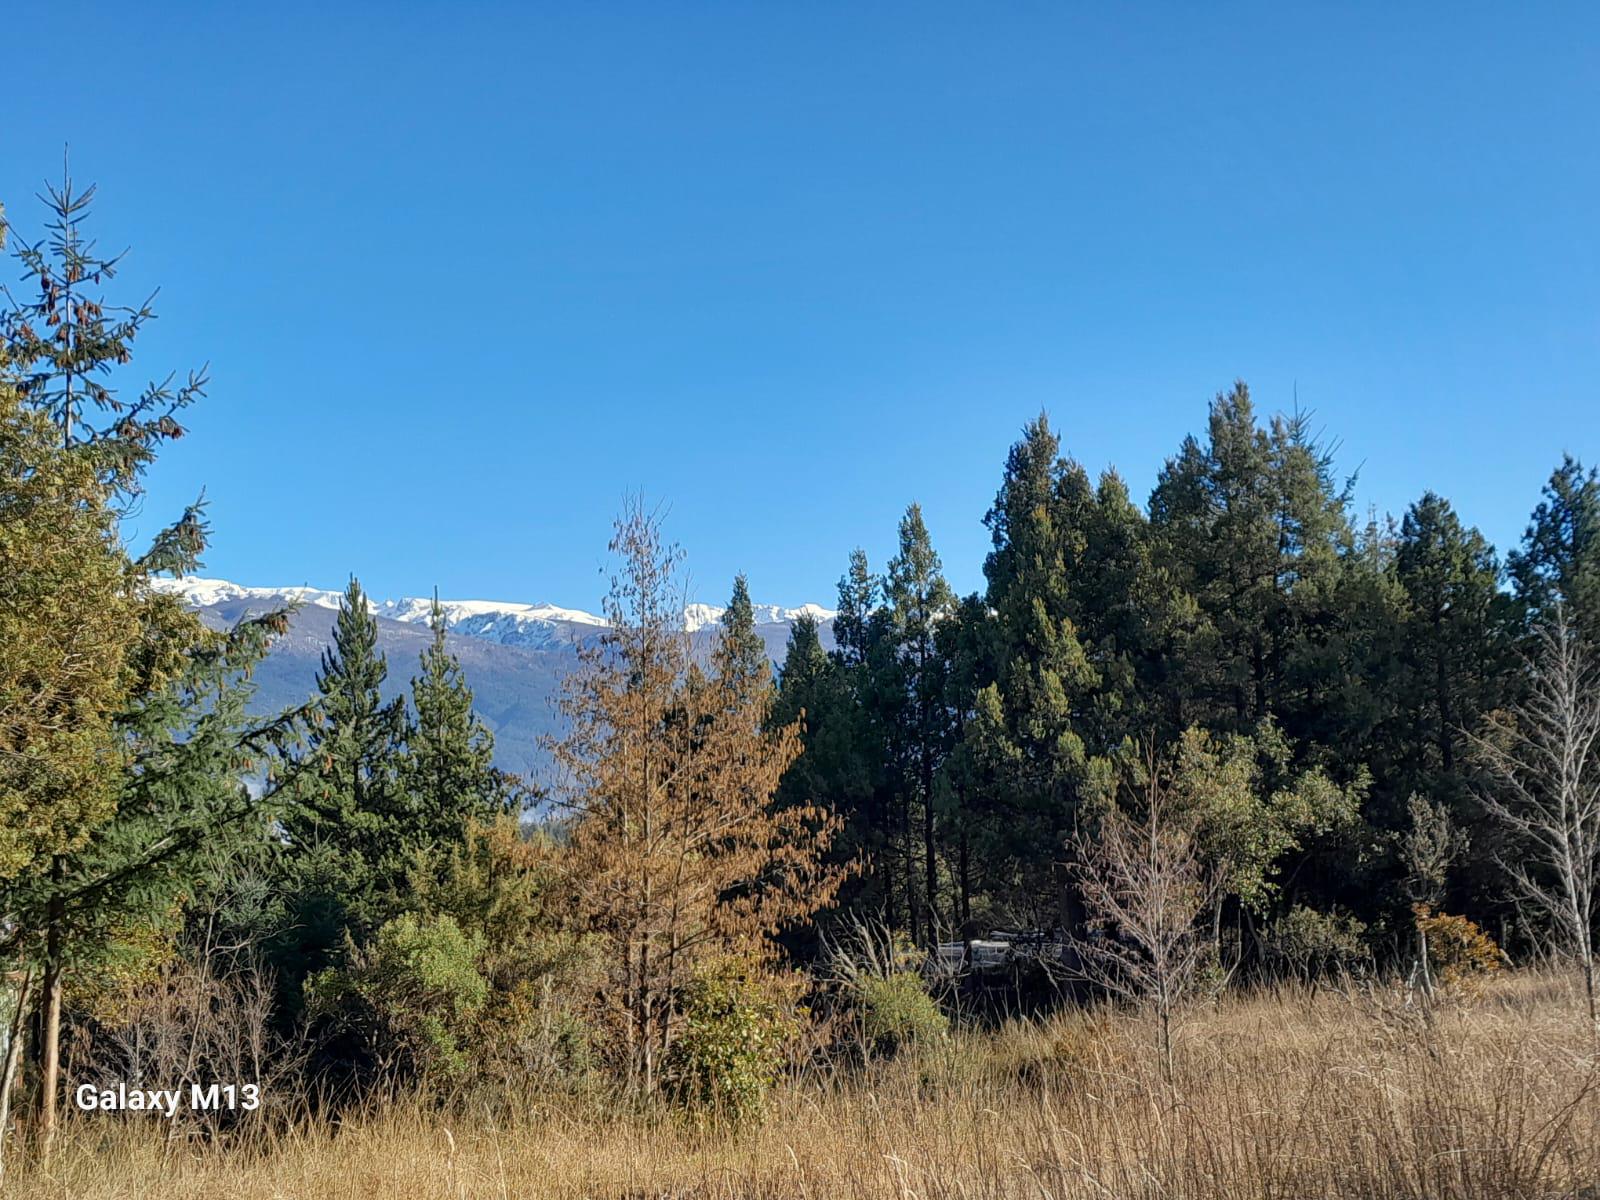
(412, 996)
(730, 1050)
(877, 970)
(896, 1011)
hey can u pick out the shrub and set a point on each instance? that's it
(731, 1047)
(888, 995)
(898, 1011)
(507, 890)
(1309, 943)
(1460, 955)
(412, 996)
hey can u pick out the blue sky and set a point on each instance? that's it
(467, 273)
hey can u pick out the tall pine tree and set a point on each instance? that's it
(919, 600)
(448, 773)
(349, 831)
(1030, 720)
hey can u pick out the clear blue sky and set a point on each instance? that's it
(466, 273)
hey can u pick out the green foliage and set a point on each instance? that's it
(509, 893)
(730, 1050)
(1559, 561)
(412, 995)
(1310, 944)
(897, 1011)
(67, 628)
(349, 826)
(1027, 720)
(447, 775)
(887, 995)
(1244, 824)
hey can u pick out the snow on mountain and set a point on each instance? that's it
(504, 622)
(697, 616)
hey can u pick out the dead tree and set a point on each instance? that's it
(1144, 889)
(1542, 766)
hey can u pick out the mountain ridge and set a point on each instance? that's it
(514, 655)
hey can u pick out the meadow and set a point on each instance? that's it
(1292, 1092)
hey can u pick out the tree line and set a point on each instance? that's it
(347, 894)
(1323, 674)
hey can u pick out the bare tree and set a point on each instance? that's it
(1542, 761)
(1144, 888)
(1428, 849)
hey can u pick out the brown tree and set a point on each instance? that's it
(678, 853)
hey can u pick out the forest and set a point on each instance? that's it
(1235, 781)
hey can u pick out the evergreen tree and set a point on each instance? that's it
(349, 831)
(858, 600)
(919, 600)
(153, 699)
(67, 628)
(967, 781)
(1030, 719)
(748, 653)
(1559, 562)
(1458, 648)
(448, 776)
(803, 675)
(1257, 534)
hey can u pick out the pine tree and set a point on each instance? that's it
(1257, 536)
(448, 776)
(1458, 650)
(748, 652)
(1559, 561)
(919, 600)
(349, 830)
(968, 780)
(169, 776)
(867, 695)
(858, 600)
(1029, 720)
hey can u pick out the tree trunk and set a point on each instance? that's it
(965, 907)
(931, 872)
(1588, 989)
(50, 1063)
(8, 1076)
(50, 1067)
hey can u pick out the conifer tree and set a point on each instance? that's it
(1254, 528)
(919, 600)
(748, 652)
(1457, 646)
(858, 600)
(349, 829)
(448, 775)
(868, 696)
(678, 851)
(1029, 719)
(967, 780)
(1559, 560)
(169, 776)
(67, 628)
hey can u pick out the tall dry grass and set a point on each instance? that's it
(1287, 1094)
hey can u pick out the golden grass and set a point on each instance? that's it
(1282, 1094)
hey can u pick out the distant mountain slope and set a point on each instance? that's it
(514, 655)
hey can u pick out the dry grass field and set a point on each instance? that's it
(1282, 1094)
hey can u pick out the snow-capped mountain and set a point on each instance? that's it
(506, 622)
